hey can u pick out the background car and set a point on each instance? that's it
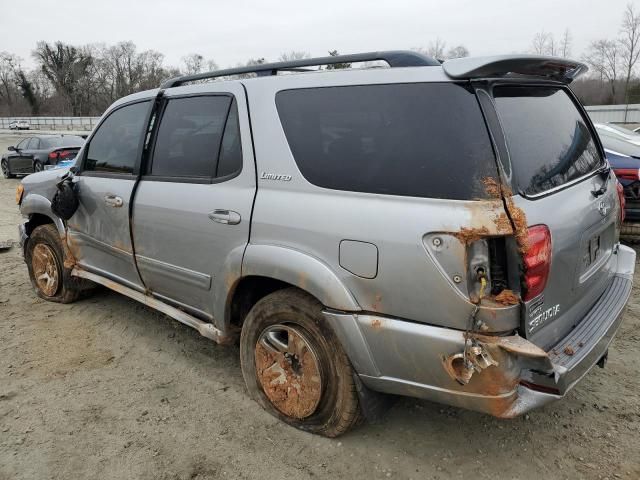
(34, 153)
(19, 125)
(623, 153)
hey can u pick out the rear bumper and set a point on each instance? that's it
(405, 358)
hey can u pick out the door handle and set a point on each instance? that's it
(113, 200)
(226, 217)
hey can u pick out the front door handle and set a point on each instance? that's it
(226, 217)
(113, 200)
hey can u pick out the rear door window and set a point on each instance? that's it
(34, 144)
(420, 139)
(189, 137)
(549, 141)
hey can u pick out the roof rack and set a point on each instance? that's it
(396, 58)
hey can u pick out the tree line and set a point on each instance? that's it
(84, 80)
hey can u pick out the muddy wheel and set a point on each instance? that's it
(45, 261)
(294, 366)
(630, 233)
(6, 173)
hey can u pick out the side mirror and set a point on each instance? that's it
(12, 149)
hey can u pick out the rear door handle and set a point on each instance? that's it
(113, 200)
(226, 217)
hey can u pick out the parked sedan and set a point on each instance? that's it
(34, 153)
(19, 125)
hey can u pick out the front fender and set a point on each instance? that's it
(300, 269)
(33, 203)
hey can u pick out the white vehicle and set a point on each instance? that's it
(19, 125)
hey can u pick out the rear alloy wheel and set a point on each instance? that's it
(6, 173)
(294, 366)
(37, 166)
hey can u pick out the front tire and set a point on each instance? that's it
(294, 366)
(45, 260)
(6, 172)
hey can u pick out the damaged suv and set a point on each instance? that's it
(443, 231)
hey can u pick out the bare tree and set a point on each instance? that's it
(458, 52)
(603, 58)
(9, 66)
(565, 44)
(193, 63)
(212, 65)
(436, 49)
(293, 55)
(629, 44)
(65, 66)
(540, 43)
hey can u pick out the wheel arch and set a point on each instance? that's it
(38, 209)
(267, 268)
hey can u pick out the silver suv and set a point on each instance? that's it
(443, 231)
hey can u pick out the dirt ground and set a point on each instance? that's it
(106, 388)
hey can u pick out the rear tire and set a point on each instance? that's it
(37, 166)
(45, 260)
(307, 380)
(6, 173)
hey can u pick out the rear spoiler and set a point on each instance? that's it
(554, 68)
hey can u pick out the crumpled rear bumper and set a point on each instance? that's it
(405, 358)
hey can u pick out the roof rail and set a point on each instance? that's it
(555, 68)
(396, 58)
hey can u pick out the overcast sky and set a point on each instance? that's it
(233, 31)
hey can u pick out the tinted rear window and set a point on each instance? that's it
(548, 139)
(421, 139)
(64, 141)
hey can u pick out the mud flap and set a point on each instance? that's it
(374, 405)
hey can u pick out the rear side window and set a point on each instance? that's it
(190, 136)
(420, 139)
(114, 146)
(34, 144)
(548, 139)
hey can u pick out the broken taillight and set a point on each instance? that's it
(621, 199)
(537, 261)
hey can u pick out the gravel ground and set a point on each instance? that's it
(107, 388)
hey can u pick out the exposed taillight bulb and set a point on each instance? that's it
(537, 261)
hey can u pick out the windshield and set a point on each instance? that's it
(62, 141)
(549, 141)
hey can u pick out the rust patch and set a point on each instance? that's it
(568, 350)
(296, 394)
(513, 343)
(507, 297)
(69, 257)
(516, 215)
(469, 235)
(377, 301)
(503, 224)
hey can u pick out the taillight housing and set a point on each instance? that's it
(537, 261)
(627, 173)
(53, 156)
(623, 202)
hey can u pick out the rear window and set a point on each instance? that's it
(548, 139)
(64, 141)
(420, 139)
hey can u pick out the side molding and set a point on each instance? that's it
(301, 270)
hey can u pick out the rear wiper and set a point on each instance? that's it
(604, 172)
